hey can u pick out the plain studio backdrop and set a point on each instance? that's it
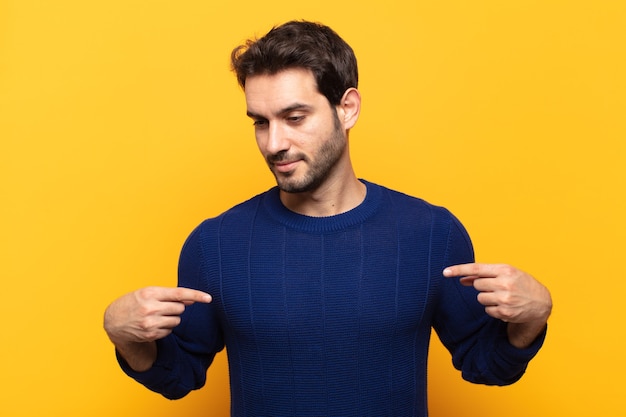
(122, 128)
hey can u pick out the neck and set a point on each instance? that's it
(331, 198)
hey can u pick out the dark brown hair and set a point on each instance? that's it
(300, 44)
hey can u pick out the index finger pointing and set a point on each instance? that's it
(187, 295)
(472, 269)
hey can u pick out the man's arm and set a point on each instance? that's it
(510, 295)
(136, 320)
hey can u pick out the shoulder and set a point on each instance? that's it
(242, 210)
(411, 205)
(411, 211)
(236, 217)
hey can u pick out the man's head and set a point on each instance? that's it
(300, 44)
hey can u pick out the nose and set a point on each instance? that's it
(276, 140)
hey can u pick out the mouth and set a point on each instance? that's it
(285, 166)
(284, 163)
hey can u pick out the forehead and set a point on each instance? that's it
(272, 93)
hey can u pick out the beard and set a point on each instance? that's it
(320, 165)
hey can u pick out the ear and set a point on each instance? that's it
(349, 108)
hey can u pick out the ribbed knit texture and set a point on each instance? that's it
(330, 316)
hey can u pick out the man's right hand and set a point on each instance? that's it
(134, 321)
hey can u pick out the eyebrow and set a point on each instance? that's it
(286, 110)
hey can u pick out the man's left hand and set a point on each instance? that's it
(510, 295)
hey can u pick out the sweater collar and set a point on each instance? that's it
(276, 209)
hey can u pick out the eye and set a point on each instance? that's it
(295, 119)
(258, 123)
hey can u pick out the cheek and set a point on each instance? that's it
(310, 135)
(261, 144)
(260, 136)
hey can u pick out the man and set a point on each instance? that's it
(325, 288)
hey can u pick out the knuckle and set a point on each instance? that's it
(507, 316)
(143, 294)
(145, 311)
(148, 292)
(508, 270)
(474, 269)
(507, 299)
(179, 293)
(152, 335)
(507, 287)
(146, 325)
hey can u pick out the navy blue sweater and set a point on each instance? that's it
(330, 316)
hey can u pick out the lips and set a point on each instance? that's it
(285, 166)
(285, 163)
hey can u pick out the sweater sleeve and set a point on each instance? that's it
(478, 342)
(184, 356)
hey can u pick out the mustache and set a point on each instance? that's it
(283, 156)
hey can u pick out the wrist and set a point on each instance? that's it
(523, 335)
(140, 356)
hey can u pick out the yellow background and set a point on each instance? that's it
(121, 128)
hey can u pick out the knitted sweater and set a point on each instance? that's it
(330, 316)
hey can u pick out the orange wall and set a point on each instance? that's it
(121, 128)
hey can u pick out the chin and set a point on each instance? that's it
(293, 186)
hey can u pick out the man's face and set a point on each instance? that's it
(297, 130)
